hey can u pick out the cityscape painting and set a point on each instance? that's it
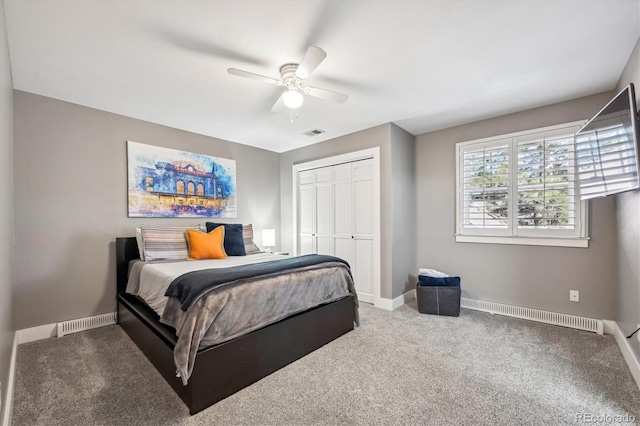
(165, 182)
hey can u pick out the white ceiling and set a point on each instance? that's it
(424, 65)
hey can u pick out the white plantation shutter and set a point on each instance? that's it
(607, 160)
(485, 182)
(546, 183)
(521, 188)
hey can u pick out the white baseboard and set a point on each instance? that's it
(8, 397)
(611, 327)
(36, 333)
(391, 305)
(62, 328)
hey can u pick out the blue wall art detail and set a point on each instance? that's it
(165, 182)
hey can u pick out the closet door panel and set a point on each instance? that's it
(325, 245)
(307, 245)
(363, 269)
(363, 209)
(341, 171)
(342, 213)
(344, 249)
(363, 199)
(307, 209)
(362, 170)
(307, 177)
(324, 209)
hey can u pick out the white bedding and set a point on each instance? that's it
(155, 278)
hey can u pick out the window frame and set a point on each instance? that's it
(512, 234)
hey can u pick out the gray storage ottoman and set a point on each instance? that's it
(439, 299)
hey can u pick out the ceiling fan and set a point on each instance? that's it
(293, 78)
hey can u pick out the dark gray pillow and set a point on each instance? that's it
(233, 237)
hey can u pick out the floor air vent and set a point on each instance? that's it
(571, 321)
(83, 324)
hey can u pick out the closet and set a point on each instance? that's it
(336, 216)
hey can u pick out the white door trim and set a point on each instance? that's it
(374, 154)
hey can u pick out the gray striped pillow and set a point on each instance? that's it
(247, 235)
(140, 243)
(166, 243)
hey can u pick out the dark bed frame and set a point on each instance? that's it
(226, 368)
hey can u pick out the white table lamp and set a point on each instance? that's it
(268, 238)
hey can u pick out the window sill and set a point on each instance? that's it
(526, 241)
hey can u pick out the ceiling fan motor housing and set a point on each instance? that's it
(288, 76)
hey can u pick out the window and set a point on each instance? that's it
(521, 189)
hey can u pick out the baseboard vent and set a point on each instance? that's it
(571, 321)
(82, 324)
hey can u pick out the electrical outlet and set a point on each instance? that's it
(574, 295)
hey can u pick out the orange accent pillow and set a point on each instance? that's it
(206, 246)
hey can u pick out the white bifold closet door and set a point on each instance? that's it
(335, 216)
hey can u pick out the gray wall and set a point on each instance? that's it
(530, 276)
(71, 194)
(6, 209)
(628, 238)
(403, 211)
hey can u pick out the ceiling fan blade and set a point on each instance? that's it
(310, 62)
(325, 94)
(279, 105)
(246, 74)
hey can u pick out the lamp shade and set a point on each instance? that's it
(293, 99)
(268, 237)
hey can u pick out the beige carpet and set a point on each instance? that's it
(399, 367)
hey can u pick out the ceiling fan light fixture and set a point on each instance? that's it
(293, 99)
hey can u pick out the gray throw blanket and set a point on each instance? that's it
(192, 285)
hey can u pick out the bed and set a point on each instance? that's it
(227, 367)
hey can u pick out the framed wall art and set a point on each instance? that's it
(166, 182)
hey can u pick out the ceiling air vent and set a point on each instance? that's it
(313, 132)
